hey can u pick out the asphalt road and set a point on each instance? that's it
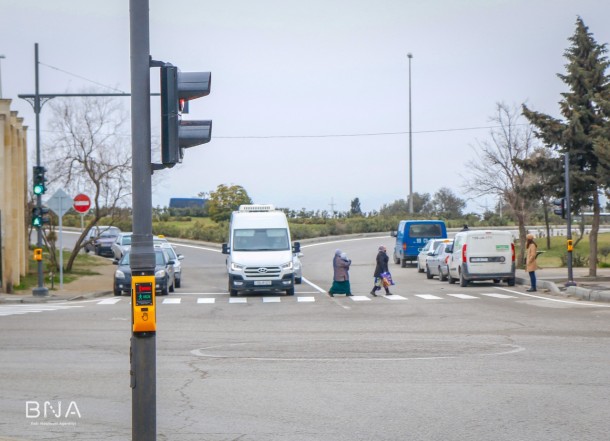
(435, 362)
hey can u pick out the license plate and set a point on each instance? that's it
(479, 259)
(262, 282)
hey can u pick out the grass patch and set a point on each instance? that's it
(555, 256)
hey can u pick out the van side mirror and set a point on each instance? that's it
(393, 233)
(449, 249)
(296, 247)
(225, 249)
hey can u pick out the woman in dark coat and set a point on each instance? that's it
(381, 267)
(340, 275)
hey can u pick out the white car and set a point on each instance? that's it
(423, 254)
(177, 258)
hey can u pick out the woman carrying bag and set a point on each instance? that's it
(381, 269)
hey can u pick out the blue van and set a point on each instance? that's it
(412, 236)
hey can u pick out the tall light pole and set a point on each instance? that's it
(409, 56)
(1, 57)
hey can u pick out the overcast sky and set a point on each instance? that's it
(310, 99)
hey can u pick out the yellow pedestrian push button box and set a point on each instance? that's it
(570, 245)
(143, 316)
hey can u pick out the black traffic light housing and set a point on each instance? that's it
(40, 181)
(560, 207)
(39, 216)
(177, 88)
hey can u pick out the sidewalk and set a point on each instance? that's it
(85, 287)
(554, 281)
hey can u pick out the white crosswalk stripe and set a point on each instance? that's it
(395, 297)
(172, 301)
(27, 309)
(463, 296)
(206, 300)
(499, 296)
(109, 301)
(428, 297)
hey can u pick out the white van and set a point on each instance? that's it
(260, 257)
(482, 255)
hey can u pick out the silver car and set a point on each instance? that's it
(121, 245)
(423, 254)
(437, 261)
(177, 258)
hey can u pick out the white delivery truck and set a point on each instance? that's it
(260, 255)
(482, 255)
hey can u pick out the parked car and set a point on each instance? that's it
(482, 255)
(437, 261)
(164, 274)
(423, 254)
(177, 261)
(100, 239)
(121, 245)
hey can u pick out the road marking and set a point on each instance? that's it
(360, 298)
(26, 309)
(580, 303)
(499, 296)
(463, 296)
(428, 297)
(395, 297)
(206, 300)
(306, 299)
(238, 300)
(271, 300)
(173, 301)
(109, 301)
(313, 285)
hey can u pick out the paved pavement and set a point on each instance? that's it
(551, 281)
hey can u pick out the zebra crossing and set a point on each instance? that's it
(21, 309)
(225, 299)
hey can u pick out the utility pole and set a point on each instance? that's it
(410, 56)
(570, 247)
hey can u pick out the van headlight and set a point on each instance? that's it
(286, 266)
(237, 267)
(160, 274)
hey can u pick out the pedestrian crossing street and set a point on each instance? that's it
(225, 299)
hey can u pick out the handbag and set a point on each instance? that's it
(386, 279)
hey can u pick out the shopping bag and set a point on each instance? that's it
(386, 279)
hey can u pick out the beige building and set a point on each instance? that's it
(13, 198)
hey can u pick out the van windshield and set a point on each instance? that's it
(425, 230)
(261, 239)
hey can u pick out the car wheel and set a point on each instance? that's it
(428, 274)
(396, 259)
(97, 251)
(511, 282)
(463, 281)
(298, 280)
(403, 263)
(451, 279)
(172, 286)
(442, 277)
(118, 292)
(232, 292)
(496, 280)
(290, 292)
(419, 268)
(178, 282)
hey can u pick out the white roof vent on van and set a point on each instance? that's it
(256, 208)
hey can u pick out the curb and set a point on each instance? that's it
(571, 291)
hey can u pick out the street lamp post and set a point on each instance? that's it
(409, 56)
(1, 57)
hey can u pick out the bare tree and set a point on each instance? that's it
(497, 170)
(90, 153)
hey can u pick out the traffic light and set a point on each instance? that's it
(560, 207)
(40, 181)
(39, 217)
(177, 88)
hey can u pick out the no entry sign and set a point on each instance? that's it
(82, 203)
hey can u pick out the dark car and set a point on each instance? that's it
(100, 239)
(164, 274)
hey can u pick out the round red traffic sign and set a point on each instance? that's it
(82, 203)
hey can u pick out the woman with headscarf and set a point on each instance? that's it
(530, 260)
(381, 267)
(340, 275)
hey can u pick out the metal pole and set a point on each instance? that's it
(410, 55)
(566, 156)
(143, 344)
(40, 290)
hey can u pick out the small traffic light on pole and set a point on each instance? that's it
(177, 88)
(40, 181)
(39, 217)
(560, 207)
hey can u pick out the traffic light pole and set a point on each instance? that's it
(570, 281)
(40, 290)
(143, 344)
